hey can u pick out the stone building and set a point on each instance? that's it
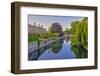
(36, 29)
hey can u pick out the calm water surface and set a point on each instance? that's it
(61, 49)
(64, 52)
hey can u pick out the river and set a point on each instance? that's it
(62, 49)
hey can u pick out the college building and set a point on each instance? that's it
(36, 29)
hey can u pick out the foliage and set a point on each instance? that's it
(80, 51)
(80, 32)
(33, 38)
(51, 33)
(55, 29)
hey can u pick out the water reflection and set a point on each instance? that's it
(57, 46)
(80, 51)
(61, 49)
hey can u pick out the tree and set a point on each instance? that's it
(56, 28)
(80, 31)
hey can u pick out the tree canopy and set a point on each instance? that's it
(80, 31)
(56, 28)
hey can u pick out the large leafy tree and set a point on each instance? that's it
(56, 28)
(80, 32)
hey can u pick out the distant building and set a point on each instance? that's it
(36, 29)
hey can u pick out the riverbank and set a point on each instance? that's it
(36, 45)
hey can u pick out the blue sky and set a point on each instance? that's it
(47, 21)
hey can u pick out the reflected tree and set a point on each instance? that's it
(56, 47)
(80, 51)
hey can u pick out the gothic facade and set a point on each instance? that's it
(36, 29)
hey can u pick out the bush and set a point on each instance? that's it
(32, 38)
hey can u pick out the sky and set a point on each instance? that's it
(46, 20)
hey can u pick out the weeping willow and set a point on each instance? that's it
(80, 33)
